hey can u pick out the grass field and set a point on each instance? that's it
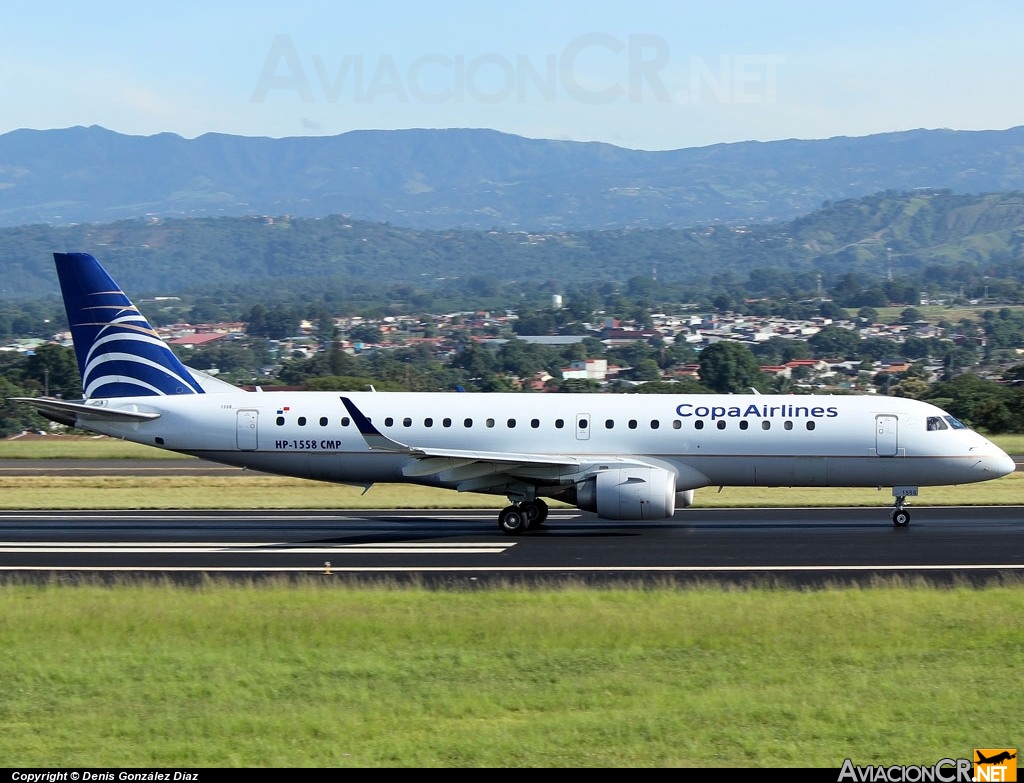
(320, 676)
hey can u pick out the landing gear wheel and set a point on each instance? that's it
(536, 512)
(901, 517)
(513, 520)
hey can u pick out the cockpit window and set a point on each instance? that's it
(955, 423)
(936, 423)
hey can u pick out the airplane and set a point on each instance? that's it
(996, 759)
(622, 457)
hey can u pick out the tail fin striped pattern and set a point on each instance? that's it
(119, 353)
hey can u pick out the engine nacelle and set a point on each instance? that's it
(629, 493)
(684, 499)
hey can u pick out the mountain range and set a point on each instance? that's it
(479, 179)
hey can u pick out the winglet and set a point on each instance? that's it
(373, 437)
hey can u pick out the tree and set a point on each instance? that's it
(868, 315)
(911, 315)
(54, 368)
(978, 402)
(834, 342)
(644, 370)
(730, 368)
(830, 309)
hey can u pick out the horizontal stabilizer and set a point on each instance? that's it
(67, 412)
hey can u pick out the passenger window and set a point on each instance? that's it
(559, 424)
(467, 423)
(511, 424)
(388, 422)
(721, 424)
(323, 421)
(406, 422)
(766, 425)
(345, 421)
(632, 424)
(655, 424)
(428, 422)
(744, 424)
(302, 421)
(489, 422)
(280, 421)
(698, 425)
(535, 423)
(677, 424)
(788, 425)
(609, 424)
(446, 422)
(811, 425)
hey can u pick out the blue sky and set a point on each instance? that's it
(652, 75)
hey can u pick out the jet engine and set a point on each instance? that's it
(629, 493)
(684, 499)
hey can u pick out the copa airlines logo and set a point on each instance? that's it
(128, 358)
(714, 412)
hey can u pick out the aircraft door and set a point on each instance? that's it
(886, 435)
(246, 429)
(582, 426)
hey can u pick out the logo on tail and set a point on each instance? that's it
(119, 353)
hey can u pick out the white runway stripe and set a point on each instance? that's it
(239, 547)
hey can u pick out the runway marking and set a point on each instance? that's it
(247, 547)
(530, 569)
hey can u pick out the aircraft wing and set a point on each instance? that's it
(378, 441)
(482, 470)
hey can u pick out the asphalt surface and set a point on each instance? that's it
(806, 547)
(799, 547)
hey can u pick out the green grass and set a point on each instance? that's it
(76, 447)
(249, 491)
(321, 675)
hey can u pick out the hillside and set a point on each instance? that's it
(936, 236)
(479, 179)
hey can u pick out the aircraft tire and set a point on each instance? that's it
(513, 520)
(536, 511)
(901, 518)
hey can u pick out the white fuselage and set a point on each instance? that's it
(705, 440)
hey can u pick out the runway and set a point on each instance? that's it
(793, 547)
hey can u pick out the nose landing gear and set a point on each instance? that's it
(900, 516)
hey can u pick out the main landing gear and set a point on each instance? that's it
(520, 517)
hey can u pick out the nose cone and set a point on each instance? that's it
(1001, 463)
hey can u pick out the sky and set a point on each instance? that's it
(651, 75)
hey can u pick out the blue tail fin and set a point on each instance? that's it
(119, 353)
